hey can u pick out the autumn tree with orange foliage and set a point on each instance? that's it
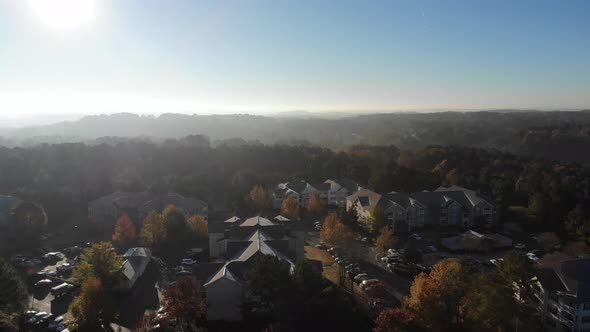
(146, 323)
(316, 205)
(184, 303)
(335, 232)
(259, 199)
(290, 209)
(396, 320)
(385, 240)
(197, 226)
(436, 297)
(92, 310)
(124, 230)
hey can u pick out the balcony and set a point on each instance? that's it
(562, 320)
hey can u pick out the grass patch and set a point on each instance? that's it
(330, 267)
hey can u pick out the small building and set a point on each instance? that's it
(562, 292)
(135, 262)
(235, 245)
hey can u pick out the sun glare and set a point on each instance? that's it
(64, 15)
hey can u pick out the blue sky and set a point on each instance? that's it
(263, 56)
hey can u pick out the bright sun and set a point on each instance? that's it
(64, 15)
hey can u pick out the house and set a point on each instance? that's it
(135, 262)
(562, 292)
(106, 210)
(338, 190)
(363, 201)
(7, 203)
(235, 246)
(474, 241)
(332, 192)
(301, 191)
(453, 206)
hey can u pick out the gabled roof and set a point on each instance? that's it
(135, 262)
(138, 252)
(232, 220)
(366, 197)
(223, 273)
(322, 186)
(281, 218)
(559, 272)
(258, 244)
(344, 183)
(257, 221)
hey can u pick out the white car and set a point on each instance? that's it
(188, 261)
(56, 323)
(532, 257)
(368, 282)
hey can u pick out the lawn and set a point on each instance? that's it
(330, 267)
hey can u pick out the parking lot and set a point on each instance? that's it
(44, 272)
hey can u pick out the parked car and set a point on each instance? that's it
(364, 239)
(321, 245)
(64, 268)
(44, 320)
(61, 289)
(360, 277)
(188, 261)
(56, 323)
(368, 282)
(399, 268)
(33, 262)
(519, 246)
(532, 257)
(43, 283)
(34, 318)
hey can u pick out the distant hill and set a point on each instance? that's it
(556, 135)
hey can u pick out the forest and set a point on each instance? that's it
(65, 177)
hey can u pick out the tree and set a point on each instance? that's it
(518, 270)
(184, 302)
(349, 217)
(28, 221)
(577, 224)
(92, 309)
(316, 205)
(13, 293)
(489, 304)
(124, 230)
(175, 223)
(435, 298)
(268, 282)
(385, 240)
(396, 320)
(198, 227)
(377, 219)
(308, 281)
(290, 208)
(259, 198)
(146, 323)
(335, 232)
(101, 261)
(153, 232)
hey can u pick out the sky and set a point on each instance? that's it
(261, 56)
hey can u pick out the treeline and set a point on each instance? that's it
(558, 135)
(65, 177)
